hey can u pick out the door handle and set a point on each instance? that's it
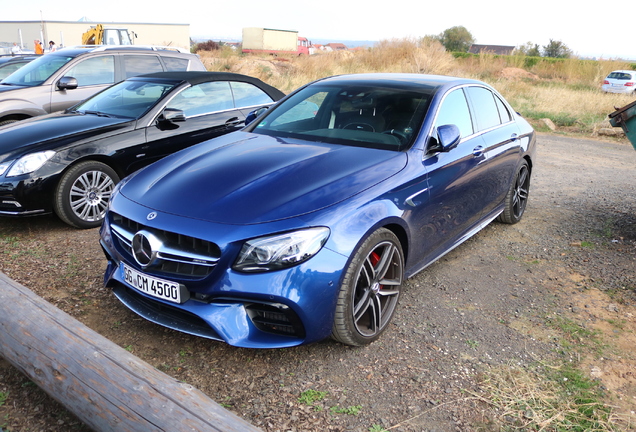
(234, 121)
(478, 151)
(514, 137)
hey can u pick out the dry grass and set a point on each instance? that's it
(566, 91)
(547, 399)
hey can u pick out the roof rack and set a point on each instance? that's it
(130, 47)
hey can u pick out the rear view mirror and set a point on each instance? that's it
(172, 115)
(253, 114)
(448, 136)
(67, 83)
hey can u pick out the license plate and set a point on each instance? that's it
(155, 287)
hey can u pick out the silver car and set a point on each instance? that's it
(61, 79)
(620, 81)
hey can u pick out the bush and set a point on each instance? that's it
(208, 46)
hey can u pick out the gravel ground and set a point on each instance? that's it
(485, 304)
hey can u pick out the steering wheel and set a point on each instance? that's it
(360, 126)
(397, 133)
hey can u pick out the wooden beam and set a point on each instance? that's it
(105, 386)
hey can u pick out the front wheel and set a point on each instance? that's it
(370, 290)
(517, 196)
(81, 198)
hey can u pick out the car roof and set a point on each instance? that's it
(75, 51)
(404, 80)
(17, 59)
(198, 77)
(624, 71)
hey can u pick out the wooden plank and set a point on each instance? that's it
(105, 386)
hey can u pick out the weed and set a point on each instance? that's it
(377, 428)
(587, 244)
(352, 410)
(129, 348)
(311, 396)
(3, 397)
(472, 343)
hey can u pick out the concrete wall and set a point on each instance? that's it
(69, 33)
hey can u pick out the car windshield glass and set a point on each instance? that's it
(356, 115)
(38, 71)
(130, 99)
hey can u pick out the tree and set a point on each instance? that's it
(529, 49)
(456, 39)
(556, 49)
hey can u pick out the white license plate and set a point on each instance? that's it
(155, 287)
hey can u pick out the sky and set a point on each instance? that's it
(585, 27)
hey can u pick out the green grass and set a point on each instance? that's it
(311, 396)
(351, 410)
(3, 397)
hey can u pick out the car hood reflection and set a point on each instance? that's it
(248, 178)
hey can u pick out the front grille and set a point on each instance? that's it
(275, 319)
(179, 255)
(165, 315)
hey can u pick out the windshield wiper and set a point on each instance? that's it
(97, 113)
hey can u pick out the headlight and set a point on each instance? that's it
(4, 166)
(29, 163)
(281, 251)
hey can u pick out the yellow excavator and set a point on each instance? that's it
(100, 35)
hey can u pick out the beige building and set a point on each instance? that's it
(69, 33)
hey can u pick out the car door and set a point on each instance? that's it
(500, 148)
(449, 207)
(93, 74)
(210, 111)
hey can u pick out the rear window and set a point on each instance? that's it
(620, 75)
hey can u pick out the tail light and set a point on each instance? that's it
(606, 82)
(629, 84)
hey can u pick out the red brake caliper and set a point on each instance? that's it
(375, 259)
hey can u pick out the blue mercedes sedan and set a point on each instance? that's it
(305, 224)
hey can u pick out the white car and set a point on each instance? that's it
(620, 81)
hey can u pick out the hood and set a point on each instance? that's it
(53, 131)
(244, 178)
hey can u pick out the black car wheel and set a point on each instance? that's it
(82, 195)
(517, 196)
(370, 290)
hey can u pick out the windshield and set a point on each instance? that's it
(350, 114)
(38, 71)
(129, 99)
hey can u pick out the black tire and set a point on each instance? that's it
(365, 305)
(6, 122)
(517, 196)
(81, 198)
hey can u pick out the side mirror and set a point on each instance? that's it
(253, 114)
(172, 115)
(449, 136)
(67, 83)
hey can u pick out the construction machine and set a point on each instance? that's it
(100, 35)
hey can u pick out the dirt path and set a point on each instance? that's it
(487, 303)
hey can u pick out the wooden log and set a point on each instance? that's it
(105, 386)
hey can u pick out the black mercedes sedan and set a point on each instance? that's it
(69, 162)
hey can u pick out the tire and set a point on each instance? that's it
(6, 122)
(81, 198)
(517, 196)
(370, 290)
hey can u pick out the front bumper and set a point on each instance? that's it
(253, 310)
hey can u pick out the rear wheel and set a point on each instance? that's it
(81, 198)
(370, 290)
(517, 196)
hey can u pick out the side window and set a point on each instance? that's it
(504, 114)
(93, 71)
(175, 64)
(141, 64)
(304, 110)
(204, 98)
(486, 112)
(246, 95)
(454, 110)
